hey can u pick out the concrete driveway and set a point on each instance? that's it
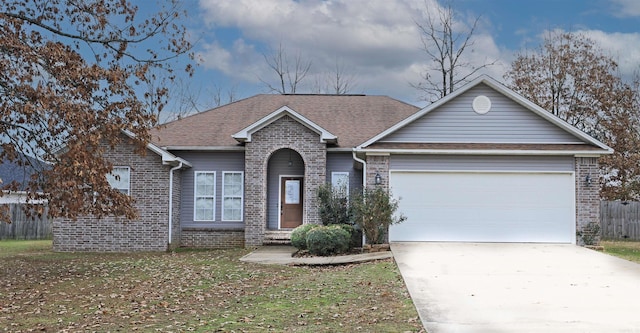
(488, 287)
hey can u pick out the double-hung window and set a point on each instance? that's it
(232, 195)
(340, 183)
(120, 179)
(205, 196)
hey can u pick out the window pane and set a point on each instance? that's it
(233, 184)
(232, 196)
(340, 182)
(205, 184)
(119, 179)
(232, 209)
(204, 209)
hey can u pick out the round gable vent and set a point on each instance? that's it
(481, 104)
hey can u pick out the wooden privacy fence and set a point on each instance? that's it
(23, 227)
(620, 220)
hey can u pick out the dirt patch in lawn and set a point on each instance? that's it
(204, 291)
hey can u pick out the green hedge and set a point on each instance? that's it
(299, 235)
(328, 240)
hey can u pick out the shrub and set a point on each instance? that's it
(374, 211)
(328, 240)
(333, 205)
(299, 235)
(355, 235)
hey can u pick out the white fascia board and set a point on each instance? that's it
(578, 153)
(244, 135)
(505, 91)
(167, 157)
(205, 148)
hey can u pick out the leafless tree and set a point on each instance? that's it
(569, 76)
(339, 81)
(444, 47)
(289, 72)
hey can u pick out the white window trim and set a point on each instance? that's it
(224, 196)
(333, 174)
(195, 195)
(128, 183)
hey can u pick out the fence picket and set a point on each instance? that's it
(23, 227)
(620, 220)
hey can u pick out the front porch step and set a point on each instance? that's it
(277, 237)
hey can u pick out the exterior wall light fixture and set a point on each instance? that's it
(378, 179)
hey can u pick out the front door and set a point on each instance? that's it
(291, 202)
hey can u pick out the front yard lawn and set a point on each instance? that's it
(629, 250)
(202, 291)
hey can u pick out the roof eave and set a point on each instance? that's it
(167, 157)
(576, 152)
(244, 135)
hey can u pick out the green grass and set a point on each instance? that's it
(10, 248)
(200, 291)
(628, 250)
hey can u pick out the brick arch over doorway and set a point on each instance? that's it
(283, 133)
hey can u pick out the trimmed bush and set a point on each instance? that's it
(299, 235)
(356, 237)
(328, 240)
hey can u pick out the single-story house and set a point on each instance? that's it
(482, 164)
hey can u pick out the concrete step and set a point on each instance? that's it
(280, 237)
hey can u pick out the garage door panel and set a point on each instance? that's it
(484, 207)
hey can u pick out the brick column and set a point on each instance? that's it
(378, 164)
(587, 201)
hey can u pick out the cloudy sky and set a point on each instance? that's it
(377, 43)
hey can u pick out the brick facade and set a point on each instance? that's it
(282, 133)
(149, 186)
(378, 164)
(587, 200)
(212, 238)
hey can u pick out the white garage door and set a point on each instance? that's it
(484, 207)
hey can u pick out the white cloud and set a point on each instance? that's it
(622, 47)
(626, 8)
(377, 40)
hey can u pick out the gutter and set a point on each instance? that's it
(171, 199)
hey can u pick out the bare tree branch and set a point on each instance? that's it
(289, 73)
(445, 49)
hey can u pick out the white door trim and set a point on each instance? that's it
(280, 196)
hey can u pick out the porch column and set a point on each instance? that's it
(587, 201)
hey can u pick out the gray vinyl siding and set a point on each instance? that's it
(481, 163)
(207, 161)
(279, 165)
(343, 162)
(506, 122)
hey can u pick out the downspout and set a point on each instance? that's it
(364, 168)
(171, 199)
(364, 181)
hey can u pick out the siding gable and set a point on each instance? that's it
(506, 122)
